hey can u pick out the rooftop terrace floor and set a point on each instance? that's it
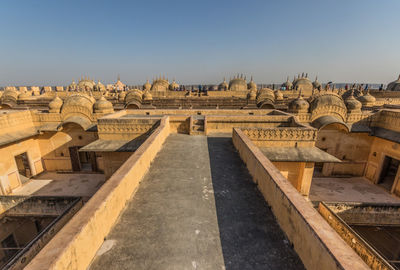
(197, 208)
(349, 189)
(62, 184)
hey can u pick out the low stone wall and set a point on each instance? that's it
(77, 243)
(316, 243)
(363, 249)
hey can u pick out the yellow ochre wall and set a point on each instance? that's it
(379, 149)
(351, 148)
(54, 146)
(9, 176)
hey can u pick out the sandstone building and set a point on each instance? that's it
(170, 161)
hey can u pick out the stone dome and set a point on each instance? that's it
(252, 84)
(327, 103)
(122, 95)
(119, 85)
(103, 106)
(223, 86)
(367, 100)
(35, 91)
(160, 84)
(394, 86)
(278, 95)
(72, 86)
(252, 94)
(134, 94)
(316, 84)
(24, 95)
(147, 85)
(86, 84)
(303, 83)
(238, 84)
(100, 86)
(147, 95)
(173, 85)
(55, 105)
(352, 104)
(79, 100)
(288, 84)
(299, 105)
(265, 94)
(10, 94)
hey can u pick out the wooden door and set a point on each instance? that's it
(74, 156)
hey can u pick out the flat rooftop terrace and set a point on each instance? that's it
(62, 184)
(197, 208)
(348, 189)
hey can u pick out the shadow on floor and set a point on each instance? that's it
(250, 236)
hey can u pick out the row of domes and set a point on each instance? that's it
(352, 104)
(101, 105)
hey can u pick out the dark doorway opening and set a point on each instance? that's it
(388, 173)
(82, 161)
(318, 166)
(23, 167)
(9, 247)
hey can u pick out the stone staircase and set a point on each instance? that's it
(197, 126)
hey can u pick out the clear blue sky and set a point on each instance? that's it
(45, 42)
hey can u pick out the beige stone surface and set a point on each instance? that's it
(317, 244)
(62, 184)
(77, 243)
(349, 189)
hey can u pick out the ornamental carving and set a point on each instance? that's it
(281, 134)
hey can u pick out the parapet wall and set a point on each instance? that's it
(316, 243)
(77, 243)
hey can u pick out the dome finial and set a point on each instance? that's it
(118, 79)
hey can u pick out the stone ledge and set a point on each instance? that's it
(77, 243)
(317, 244)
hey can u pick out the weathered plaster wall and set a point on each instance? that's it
(379, 149)
(76, 244)
(351, 148)
(114, 160)
(317, 244)
(54, 146)
(9, 175)
(298, 173)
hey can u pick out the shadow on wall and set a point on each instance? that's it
(250, 236)
(55, 146)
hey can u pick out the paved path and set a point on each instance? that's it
(197, 208)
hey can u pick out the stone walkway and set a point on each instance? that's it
(197, 208)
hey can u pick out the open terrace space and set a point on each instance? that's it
(349, 189)
(62, 184)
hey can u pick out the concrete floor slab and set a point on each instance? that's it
(197, 208)
(349, 189)
(62, 184)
